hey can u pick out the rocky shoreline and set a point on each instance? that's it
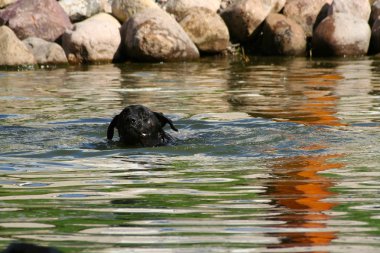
(50, 32)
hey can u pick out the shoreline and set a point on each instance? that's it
(117, 31)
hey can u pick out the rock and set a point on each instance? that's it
(44, 19)
(282, 36)
(206, 29)
(78, 10)
(179, 7)
(305, 12)
(243, 17)
(375, 12)
(12, 50)
(93, 40)
(277, 5)
(4, 3)
(153, 35)
(358, 8)
(341, 35)
(45, 52)
(124, 9)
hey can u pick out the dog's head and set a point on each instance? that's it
(138, 125)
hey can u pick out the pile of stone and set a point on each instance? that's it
(93, 31)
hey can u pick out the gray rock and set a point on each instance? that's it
(44, 19)
(95, 39)
(206, 29)
(12, 51)
(153, 35)
(45, 52)
(282, 36)
(341, 35)
(124, 9)
(78, 10)
(305, 12)
(358, 8)
(243, 17)
(179, 7)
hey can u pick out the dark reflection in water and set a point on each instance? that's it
(278, 155)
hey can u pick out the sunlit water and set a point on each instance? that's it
(276, 155)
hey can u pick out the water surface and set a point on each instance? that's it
(275, 155)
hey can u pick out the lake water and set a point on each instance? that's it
(274, 155)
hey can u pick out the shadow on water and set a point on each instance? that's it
(278, 155)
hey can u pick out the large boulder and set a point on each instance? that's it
(341, 35)
(124, 9)
(12, 50)
(206, 29)
(282, 36)
(306, 12)
(244, 17)
(358, 8)
(93, 40)
(44, 19)
(45, 52)
(179, 7)
(78, 10)
(153, 35)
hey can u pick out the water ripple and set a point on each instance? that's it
(276, 155)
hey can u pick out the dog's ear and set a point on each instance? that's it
(165, 120)
(111, 127)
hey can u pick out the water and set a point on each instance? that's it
(275, 155)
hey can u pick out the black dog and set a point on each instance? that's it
(137, 125)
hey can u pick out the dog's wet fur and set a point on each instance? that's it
(137, 125)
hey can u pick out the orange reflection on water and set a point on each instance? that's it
(320, 101)
(300, 189)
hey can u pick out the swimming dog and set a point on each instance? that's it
(137, 125)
